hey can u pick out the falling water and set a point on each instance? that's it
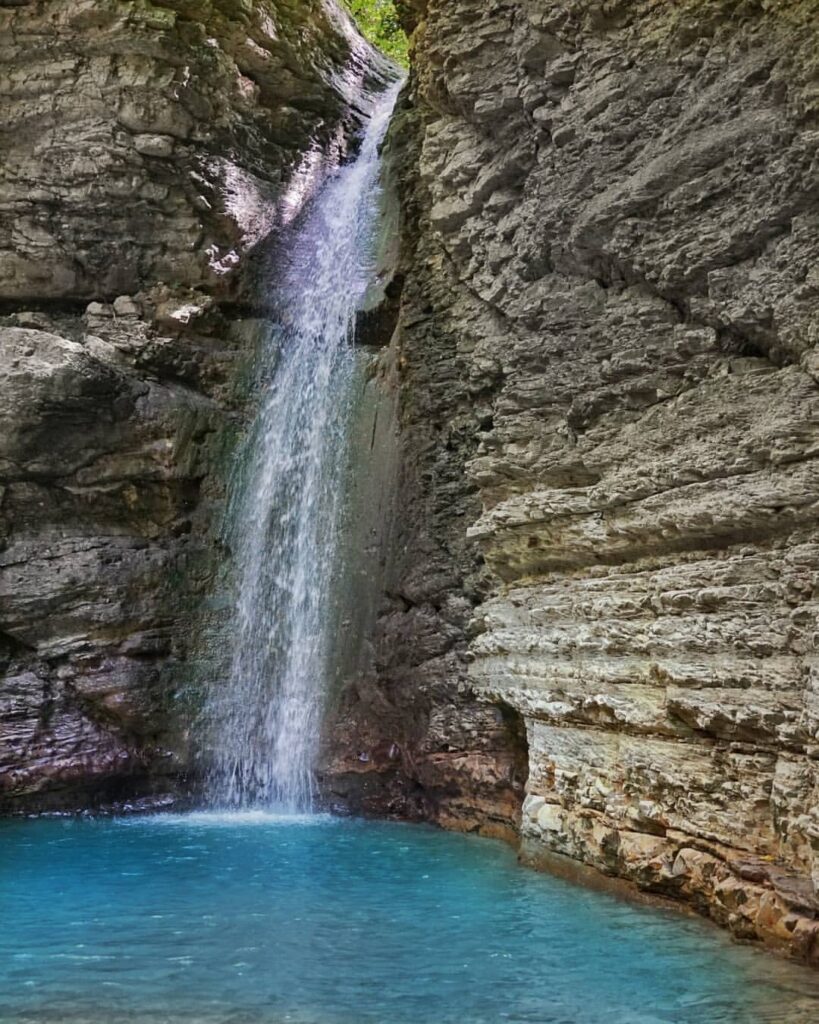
(284, 519)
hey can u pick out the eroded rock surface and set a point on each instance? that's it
(610, 419)
(150, 151)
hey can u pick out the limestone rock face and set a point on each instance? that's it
(150, 152)
(151, 143)
(610, 426)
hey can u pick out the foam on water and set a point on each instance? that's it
(228, 819)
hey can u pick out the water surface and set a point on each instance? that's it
(254, 919)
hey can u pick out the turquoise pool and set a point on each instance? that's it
(250, 919)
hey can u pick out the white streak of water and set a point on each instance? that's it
(264, 720)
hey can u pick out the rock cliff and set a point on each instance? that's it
(150, 151)
(598, 629)
(603, 586)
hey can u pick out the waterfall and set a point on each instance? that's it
(283, 523)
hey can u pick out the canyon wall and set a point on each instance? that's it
(150, 152)
(603, 581)
(597, 634)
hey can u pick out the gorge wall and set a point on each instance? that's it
(150, 151)
(602, 585)
(598, 627)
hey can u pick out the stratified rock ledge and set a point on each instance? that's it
(603, 583)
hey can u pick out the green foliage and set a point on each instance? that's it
(379, 22)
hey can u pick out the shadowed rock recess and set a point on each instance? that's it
(602, 586)
(149, 149)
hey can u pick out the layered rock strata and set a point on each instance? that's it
(607, 351)
(151, 150)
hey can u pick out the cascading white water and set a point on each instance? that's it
(264, 721)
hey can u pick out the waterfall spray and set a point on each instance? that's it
(283, 522)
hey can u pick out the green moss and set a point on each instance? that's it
(379, 23)
(151, 15)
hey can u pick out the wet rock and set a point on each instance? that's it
(154, 145)
(124, 305)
